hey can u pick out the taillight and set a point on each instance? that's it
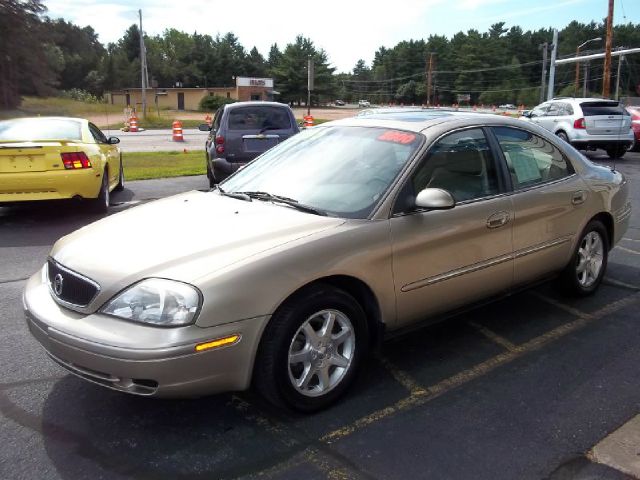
(75, 160)
(579, 124)
(219, 144)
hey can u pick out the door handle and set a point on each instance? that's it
(578, 197)
(498, 219)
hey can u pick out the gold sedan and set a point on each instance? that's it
(51, 158)
(288, 273)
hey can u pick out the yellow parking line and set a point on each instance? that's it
(613, 281)
(479, 370)
(562, 306)
(494, 337)
(403, 378)
(635, 252)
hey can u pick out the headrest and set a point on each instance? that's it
(466, 161)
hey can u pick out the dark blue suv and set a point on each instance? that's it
(241, 131)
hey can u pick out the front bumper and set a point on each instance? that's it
(164, 364)
(49, 185)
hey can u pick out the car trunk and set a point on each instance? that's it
(605, 118)
(33, 156)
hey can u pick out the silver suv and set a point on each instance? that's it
(586, 123)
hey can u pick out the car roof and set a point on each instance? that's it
(43, 118)
(255, 103)
(421, 125)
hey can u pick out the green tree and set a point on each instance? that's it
(25, 54)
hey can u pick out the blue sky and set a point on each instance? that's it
(346, 29)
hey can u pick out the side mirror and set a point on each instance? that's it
(113, 140)
(435, 199)
(204, 127)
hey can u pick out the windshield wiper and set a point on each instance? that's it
(238, 195)
(269, 127)
(286, 200)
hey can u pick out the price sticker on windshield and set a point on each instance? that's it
(394, 136)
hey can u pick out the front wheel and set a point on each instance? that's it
(616, 152)
(312, 349)
(584, 273)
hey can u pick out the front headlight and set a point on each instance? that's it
(157, 301)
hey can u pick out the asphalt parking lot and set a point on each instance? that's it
(520, 389)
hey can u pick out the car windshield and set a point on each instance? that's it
(594, 109)
(342, 171)
(29, 129)
(260, 117)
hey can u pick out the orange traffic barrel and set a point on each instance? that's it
(208, 120)
(177, 131)
(308, 120)
(133, 124)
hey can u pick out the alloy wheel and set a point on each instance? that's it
(321, 353)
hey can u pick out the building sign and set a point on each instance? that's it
(254, 82)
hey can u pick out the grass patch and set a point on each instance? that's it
(146, 165)
(58, 106)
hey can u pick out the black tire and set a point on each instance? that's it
(572, 281)
(273, 374)
(635, 146)
(616, 152)
(101, 203)
(562, 136)
(120, 185)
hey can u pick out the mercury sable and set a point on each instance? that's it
(290, 271)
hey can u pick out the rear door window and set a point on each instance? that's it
(531, 159)
(259, 118)
(97, 134)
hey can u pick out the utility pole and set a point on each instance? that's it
(429, 73)
(620, 60)
(552, 69)
(545, 50)
(143, 68)
(606, 82)
(585, 80)
(310, 75)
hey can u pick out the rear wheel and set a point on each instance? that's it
(563, 136)
(587, 267)
(120, 185)
(101, 203)
(616, 152)
(635, 146)
(312, 350)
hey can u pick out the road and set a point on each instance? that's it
(520, 389)
(159, 140)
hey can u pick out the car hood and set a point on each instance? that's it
(183, 237)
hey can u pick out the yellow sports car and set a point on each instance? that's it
(49, 158)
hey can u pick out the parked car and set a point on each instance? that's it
(586, 123)
(635, 125)
(340, 103)
(52, 158)
(508, 106)
(314, 251)
(364, 104)
(241, 131)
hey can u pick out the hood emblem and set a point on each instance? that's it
(57, 284)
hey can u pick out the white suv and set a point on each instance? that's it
(587, 123)
(364, 104)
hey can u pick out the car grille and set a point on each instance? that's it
(70, 287)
